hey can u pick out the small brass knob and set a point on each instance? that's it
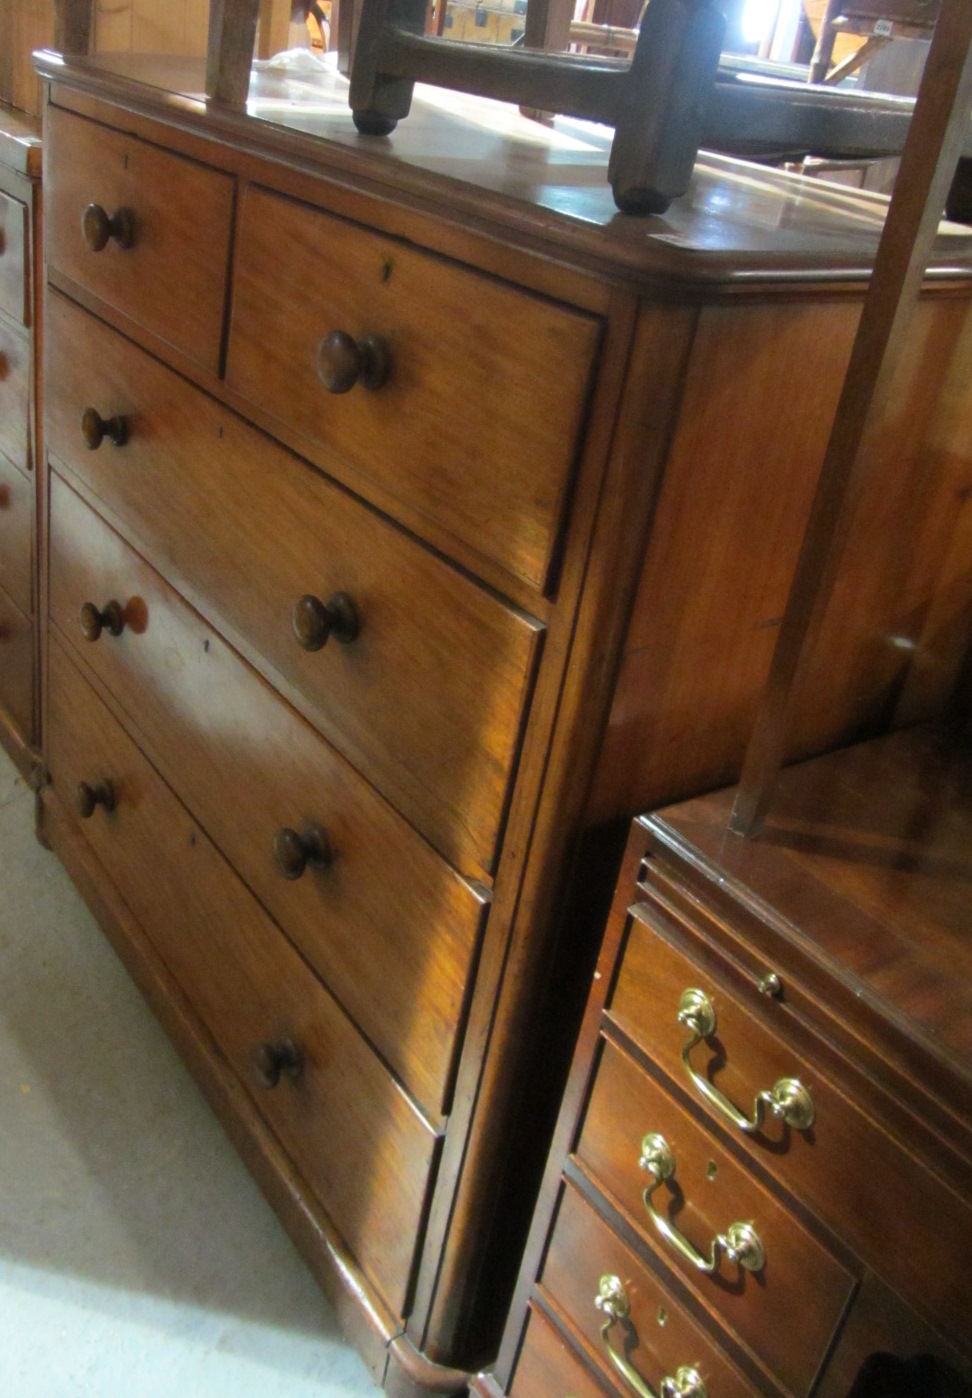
(111, 618)
(98, 229)
(95, 428)
(269, 1060)
(343, 361)
(293, 851)
(88, 798)
(314, 621)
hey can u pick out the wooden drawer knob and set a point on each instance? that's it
(98, 229)
(87, 798)
(343, 361)
(269, 1060)
(95, 428)
(314, 621)
(111, 618)
(293, 852)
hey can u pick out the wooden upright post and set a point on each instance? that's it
(72, 26)
(927, 166)
(229, 52)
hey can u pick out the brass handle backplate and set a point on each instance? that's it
(612, 1301)
(95, 428)
(740, 1243)
(787, 1100)
(274, 1058)
(98, 228)
(110, 618)
(88, 798)
(343, 361)
(293, 851)
(315, 621)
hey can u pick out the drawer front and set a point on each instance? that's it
(14, 281)
(832, 1167)
(584, 1262)
(478, 422)
(16, 535)
(172, 278)
(352, 1132)
(547, 1367)
(17, 667)
(387, 923)
(14, 394)
(707, 1193)
(428, 702)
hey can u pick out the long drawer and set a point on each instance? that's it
(14, 394)
(353, 1133)
(17, 666)
(428, 701)
(16, 535)
(708, 1195)
(388, 924)
(547, 1365)
(166, 224)
(587, 1268)
(830, 1167)
(14, 279)
(477, 424)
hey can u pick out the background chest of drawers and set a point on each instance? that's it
(20, 171)
(368, 500)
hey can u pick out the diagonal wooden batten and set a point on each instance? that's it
(927, 166)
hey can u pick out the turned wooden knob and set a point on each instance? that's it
(95, 428)
(111, 618)
(98, 229)
(293, 851)
(88, 798)
(343, 361)
(314, 621)
(269, 1060)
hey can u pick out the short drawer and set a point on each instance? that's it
(16, 535)
(706, 1193)
(14, 394)
(14, 276)
(832, 1166)
(548, 1367)
(429, 700)
(17, 667)
(353, 1134)
(589, 1274)
(388, 923)
(164, 265)
(477, 425)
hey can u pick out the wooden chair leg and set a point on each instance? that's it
(73, 25)
(823, 54)
(229, 53)
(378, 103)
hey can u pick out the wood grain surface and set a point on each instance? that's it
(14, 281)
(17, 536)
(14, 394)
(17, 667)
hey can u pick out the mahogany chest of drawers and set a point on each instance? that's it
(20, 170)
(368, 499)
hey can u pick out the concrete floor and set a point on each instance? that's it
(137, 1257)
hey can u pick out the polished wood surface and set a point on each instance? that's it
(17, 666)
(428, 701)
(391, 928)
(14, 391)
(494, 474)
(708, 1193)
(14, 259)
(660, 1336)
(17, 536)
(352, 1131)
(173, 277)
(548, 1365)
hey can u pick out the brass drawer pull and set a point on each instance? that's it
(97, 228)
(343, 361)
(612, 1301)
(95, 428)
(111, 618)
(88, 798)
(270, 1060)
(293, 852)
(740, 1243)
(314, 621)
(787, 1099)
